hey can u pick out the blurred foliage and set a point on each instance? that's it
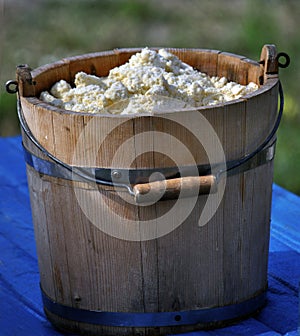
(37, 32)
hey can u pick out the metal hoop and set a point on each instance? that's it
(287, 60)
(9, 84)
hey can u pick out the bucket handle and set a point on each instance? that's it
(168, 188)
(187, 186)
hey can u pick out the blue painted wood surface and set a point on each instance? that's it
(21, 311)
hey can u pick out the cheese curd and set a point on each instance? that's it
(148, 82)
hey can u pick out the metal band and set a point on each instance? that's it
(163, 319)
(135, 176)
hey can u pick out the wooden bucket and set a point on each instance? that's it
(114, 277)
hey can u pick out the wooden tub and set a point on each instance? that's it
(112, 265)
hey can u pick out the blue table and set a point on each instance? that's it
(21, 311)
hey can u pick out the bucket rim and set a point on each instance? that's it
(266, 82)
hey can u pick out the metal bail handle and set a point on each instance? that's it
(168, 188)
(189, 186)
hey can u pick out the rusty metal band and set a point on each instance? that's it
(134, 176)
(156, 319)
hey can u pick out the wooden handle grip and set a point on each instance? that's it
(170, 189)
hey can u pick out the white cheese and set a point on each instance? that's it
(60, 89)
(83, 79)
(48, 98)
(144, 84)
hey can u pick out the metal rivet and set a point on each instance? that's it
(116, 174)
(177, 318)
(77, 298)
